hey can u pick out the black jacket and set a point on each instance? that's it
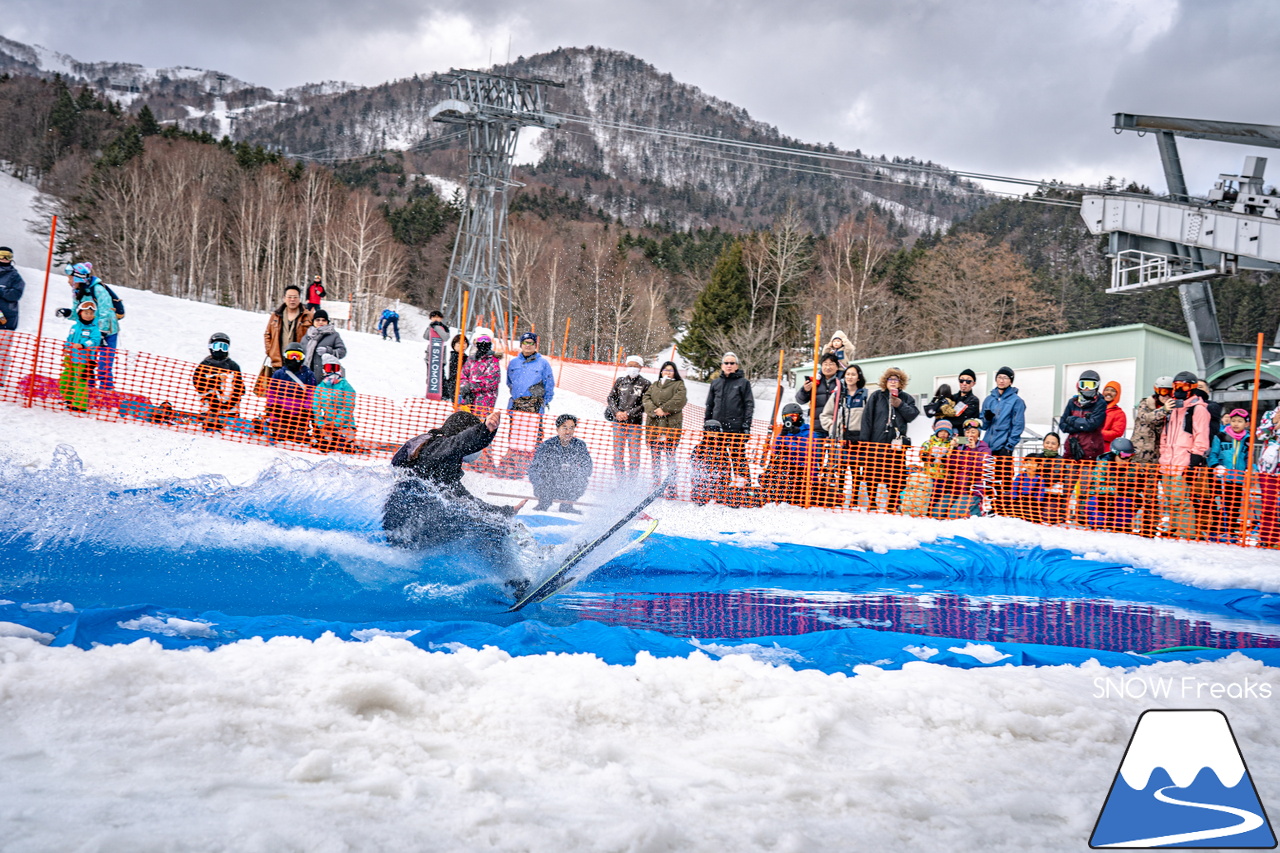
(883, 422)
(627, 395)
(824, 387)
(730, 402)
(11, 287)
(972, 408)
(432, 506)
(558, 472)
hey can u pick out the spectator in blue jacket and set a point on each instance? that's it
(530, 379)
(11, 287)
(1004, 415)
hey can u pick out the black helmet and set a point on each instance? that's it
(792, 414)
(220, 336)
(1121, 446)
(1088, 384)
(1185, 376)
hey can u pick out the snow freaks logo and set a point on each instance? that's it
(1183, 783)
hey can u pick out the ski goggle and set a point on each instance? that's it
(294, 355)
(792, 419)
(973, 423)
(220, 346)
(1185, 386)
(333, 368)
(1087, 384)
(1124, 455)
(1163, 391)
(6, 257)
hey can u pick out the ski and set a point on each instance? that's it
(557, 579)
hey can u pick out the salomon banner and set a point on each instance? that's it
(435, 363)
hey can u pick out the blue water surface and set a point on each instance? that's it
(299, 552)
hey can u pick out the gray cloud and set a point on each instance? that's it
(1016, 88)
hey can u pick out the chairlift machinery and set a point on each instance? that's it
(1186, 242)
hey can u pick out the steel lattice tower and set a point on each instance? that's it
(493, 108)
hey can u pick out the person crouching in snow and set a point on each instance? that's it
(710, 466)
(335, 405)
(218, 381)
(933, 456)
(790, 456)
(77, 357)
(561, 467)
(430, 506)
(963, 487)
(289, 398)
(1113, 488)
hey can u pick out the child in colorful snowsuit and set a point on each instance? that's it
(967, 471)
(933, 456)
(481, 374)
(77, 357)
(335, 405)
(1112, 489)
(1228, 459)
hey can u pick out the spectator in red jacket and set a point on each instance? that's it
(1116, 422)
(315, 293)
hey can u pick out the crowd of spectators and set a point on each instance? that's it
(1175, 465)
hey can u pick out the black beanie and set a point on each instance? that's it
(457, 423)
(969, 373)
(320, 314)
(1007, 371)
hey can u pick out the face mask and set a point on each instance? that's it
(218, 355)
(633, 372)
(1180, 394)
(664, 380)
(333, 378)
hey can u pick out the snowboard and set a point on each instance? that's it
(562, 576)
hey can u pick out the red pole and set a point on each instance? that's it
(44, 298)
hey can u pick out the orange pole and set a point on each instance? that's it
(457, 384)
(506, 330)
(1246, 505)
(564, 350)
(44, 298)
(813, 409)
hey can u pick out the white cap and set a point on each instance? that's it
(635, 359)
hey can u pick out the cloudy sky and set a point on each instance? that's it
(1021, 87)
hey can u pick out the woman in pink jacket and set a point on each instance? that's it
(1184, 448)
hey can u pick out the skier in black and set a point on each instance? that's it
(430, 506)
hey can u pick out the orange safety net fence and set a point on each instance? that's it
(739, 470)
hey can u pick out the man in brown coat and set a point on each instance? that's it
(286, 325)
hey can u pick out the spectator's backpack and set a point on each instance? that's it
(117, 304)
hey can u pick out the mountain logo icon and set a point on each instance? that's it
(1183, 783)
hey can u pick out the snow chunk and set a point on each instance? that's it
(775, 655)
(366, 634)
(22, 632)
(922, 652)
(983, 652)
(170, 626)
(50, 607)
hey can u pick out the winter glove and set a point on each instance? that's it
(323, 350)
(1220, 471)
(1197, 461)
(990, 416)
(64, 313)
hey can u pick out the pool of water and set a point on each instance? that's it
(299, 552)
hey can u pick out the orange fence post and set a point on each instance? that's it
(1246, 505)
(564, 350)
(457, 383)
(44, 298)
(813, 409)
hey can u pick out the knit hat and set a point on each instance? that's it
(330, 359)
(1005, 371)
(636, 360)
(320, 314)
(969, 373)
(943, 423)
(529, 336)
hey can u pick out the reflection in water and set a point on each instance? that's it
(1084, 623)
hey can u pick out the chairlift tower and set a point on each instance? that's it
(493, 108)
(1185, 241)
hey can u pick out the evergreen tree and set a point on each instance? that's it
(147, 124)
(723, 304)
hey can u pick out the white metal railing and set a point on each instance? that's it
(1135, 270)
